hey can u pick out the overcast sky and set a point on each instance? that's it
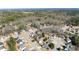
(39, 3)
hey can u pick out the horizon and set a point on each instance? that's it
(39, 9)
(43, 8)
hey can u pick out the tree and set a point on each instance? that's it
(11, 44)
(45, 39)
(58, 49)
(51, 45)
(22, 26)
(43, 34)
(75, 40)
(35, 24)
(73, 21)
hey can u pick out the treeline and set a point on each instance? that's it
(10, 16)
(73, 21)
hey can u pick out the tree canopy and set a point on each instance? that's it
(11, 44)
(73, 21)
(75, 40)
(51, 45)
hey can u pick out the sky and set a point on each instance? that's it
(39, 4)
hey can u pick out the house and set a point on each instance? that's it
(19, 41)
(32, 31)
(21, 44)
(16, 35)
(25, 35)
(3, 38)
(68, 40)
(58, 42)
